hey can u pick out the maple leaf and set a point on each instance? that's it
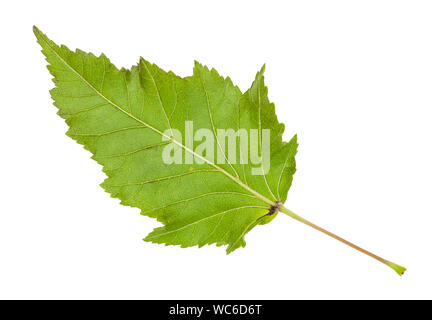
(128, 118)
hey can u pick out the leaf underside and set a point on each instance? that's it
(122, 116)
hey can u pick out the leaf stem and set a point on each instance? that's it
(399, 269)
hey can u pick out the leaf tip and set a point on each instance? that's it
(36, 31)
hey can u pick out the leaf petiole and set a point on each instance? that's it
(399, 269)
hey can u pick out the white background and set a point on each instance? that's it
(352, 78)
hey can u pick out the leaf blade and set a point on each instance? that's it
(121, 115)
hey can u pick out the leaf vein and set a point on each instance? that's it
(108, 132)
(197, 197)
(213, 126)
(134, 151)
(163, 178)
(203, 219)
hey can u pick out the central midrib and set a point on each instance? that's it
(236, 180)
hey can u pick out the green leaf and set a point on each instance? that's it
(126, 118)
(132, 120)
